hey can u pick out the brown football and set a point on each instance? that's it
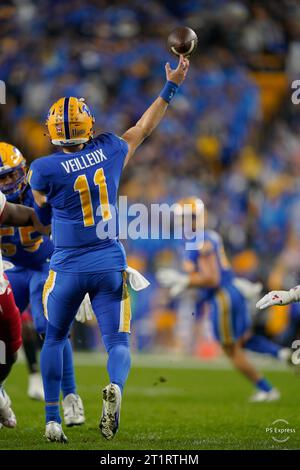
(182, 40)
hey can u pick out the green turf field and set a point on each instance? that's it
(182, 406)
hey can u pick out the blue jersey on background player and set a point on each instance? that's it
(228, 307)
(25, 248)
(30, 254)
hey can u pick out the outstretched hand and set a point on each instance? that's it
(275, 297)
(178, 75)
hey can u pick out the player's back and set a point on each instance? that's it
(82, 189)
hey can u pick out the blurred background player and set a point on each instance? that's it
(30, 252)
(84, 173)
(10, 320)
(207, 268)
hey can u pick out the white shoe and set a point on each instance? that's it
(54, 432)
(73, 410)
(7, 416)
(35, 389)
(110, 419)
(261, 396)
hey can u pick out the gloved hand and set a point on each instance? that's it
(174, 280)
(85, 311)
(279, 297)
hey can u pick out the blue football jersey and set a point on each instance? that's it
(24, 246)
(82, 189)
(213, 243)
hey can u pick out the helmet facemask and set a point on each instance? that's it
(14, 186)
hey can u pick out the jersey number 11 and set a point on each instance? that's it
(82, 186)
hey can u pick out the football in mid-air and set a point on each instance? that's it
(182, 41)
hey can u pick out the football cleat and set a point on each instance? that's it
(35, 389)
(54, 432)
(73, 410)
(110, 419)
(7, 416)
(261, 396)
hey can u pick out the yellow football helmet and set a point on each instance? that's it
(12, 171)
(70, 122)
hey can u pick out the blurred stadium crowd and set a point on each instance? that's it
(231, 136)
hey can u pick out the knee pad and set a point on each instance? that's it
(115, 339)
